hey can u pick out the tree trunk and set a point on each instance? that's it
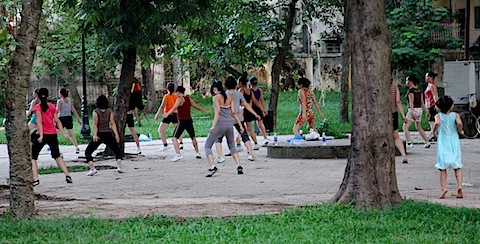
(123, 92)
(22, 198)
(345, 83)
(279, 61)
(147, 77)
(370, 177)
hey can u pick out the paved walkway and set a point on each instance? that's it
(154, 185)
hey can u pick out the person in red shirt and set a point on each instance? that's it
(47, 117)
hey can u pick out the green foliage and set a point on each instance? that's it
(409, 222)
(412, 25)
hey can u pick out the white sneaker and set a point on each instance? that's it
(120, 169)
(176, 158)
(256, 147)
(251, 158)
(426, 145)
(409, 145)
(219, 160)
(92, 172)
(239, 148)
(163, 148)
(265, 143)
(139, 151)
(198, 156)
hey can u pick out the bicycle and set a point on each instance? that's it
(471, 124)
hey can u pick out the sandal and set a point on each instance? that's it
(443, 194)
(68, 179)
(36, 183)
(460, 193)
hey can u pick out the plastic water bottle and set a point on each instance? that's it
(275, 139)
(301, 133)
(324, 139)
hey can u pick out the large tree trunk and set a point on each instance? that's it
(123, 92)
(22, 198)
(279, 61)
(370, 177)
(345, 83)
(147, 77)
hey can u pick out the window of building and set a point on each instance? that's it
(333, 46)
(477, 17)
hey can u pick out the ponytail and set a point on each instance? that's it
(43, 95)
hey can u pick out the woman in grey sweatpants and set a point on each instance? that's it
(223, 121)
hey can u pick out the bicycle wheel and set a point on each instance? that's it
(469, 124)
(478, 124)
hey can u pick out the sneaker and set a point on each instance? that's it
(120, 170)
(265, 143)
(433, 139)
(181, 146)
(198, 156)
(228, 154)
(219, 160)
(68, 179)
(176, 158)
(91, 172)
(163, 147)
(409, 145)
(77, 150)
(139, 151)
(256, 147)
(426, 145)
(251, 158)
(211, 171)
(239, 148)
(239, 169)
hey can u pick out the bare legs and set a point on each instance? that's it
(399, 145)
(443, 182)
(161, 131)
(60, 162)
(418, 125)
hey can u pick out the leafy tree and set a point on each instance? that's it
(131, 27)
(239, 35)
(370, 177)
(411, 26)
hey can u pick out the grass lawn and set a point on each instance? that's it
(410, 222)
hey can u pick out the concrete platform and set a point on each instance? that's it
(336, 148)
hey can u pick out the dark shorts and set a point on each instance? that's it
(182, 126)
(67, 122)
(51, 140)
(395, 121)
(249, 117)
(432, 111)
(130, 121)
(172, 118)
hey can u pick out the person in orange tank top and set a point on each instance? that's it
(167, 103)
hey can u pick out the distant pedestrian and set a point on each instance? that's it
(65, 109)
(396, 105)
(167, 103)
(185, 122)
(449, 154)
(223, 121)
(308, 103)
(431, 97)
(47, 118)
(415, 111)
(104, 129)
(260, 110)
(135, 103)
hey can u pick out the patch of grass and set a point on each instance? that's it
(55, 169)
(410, 222)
